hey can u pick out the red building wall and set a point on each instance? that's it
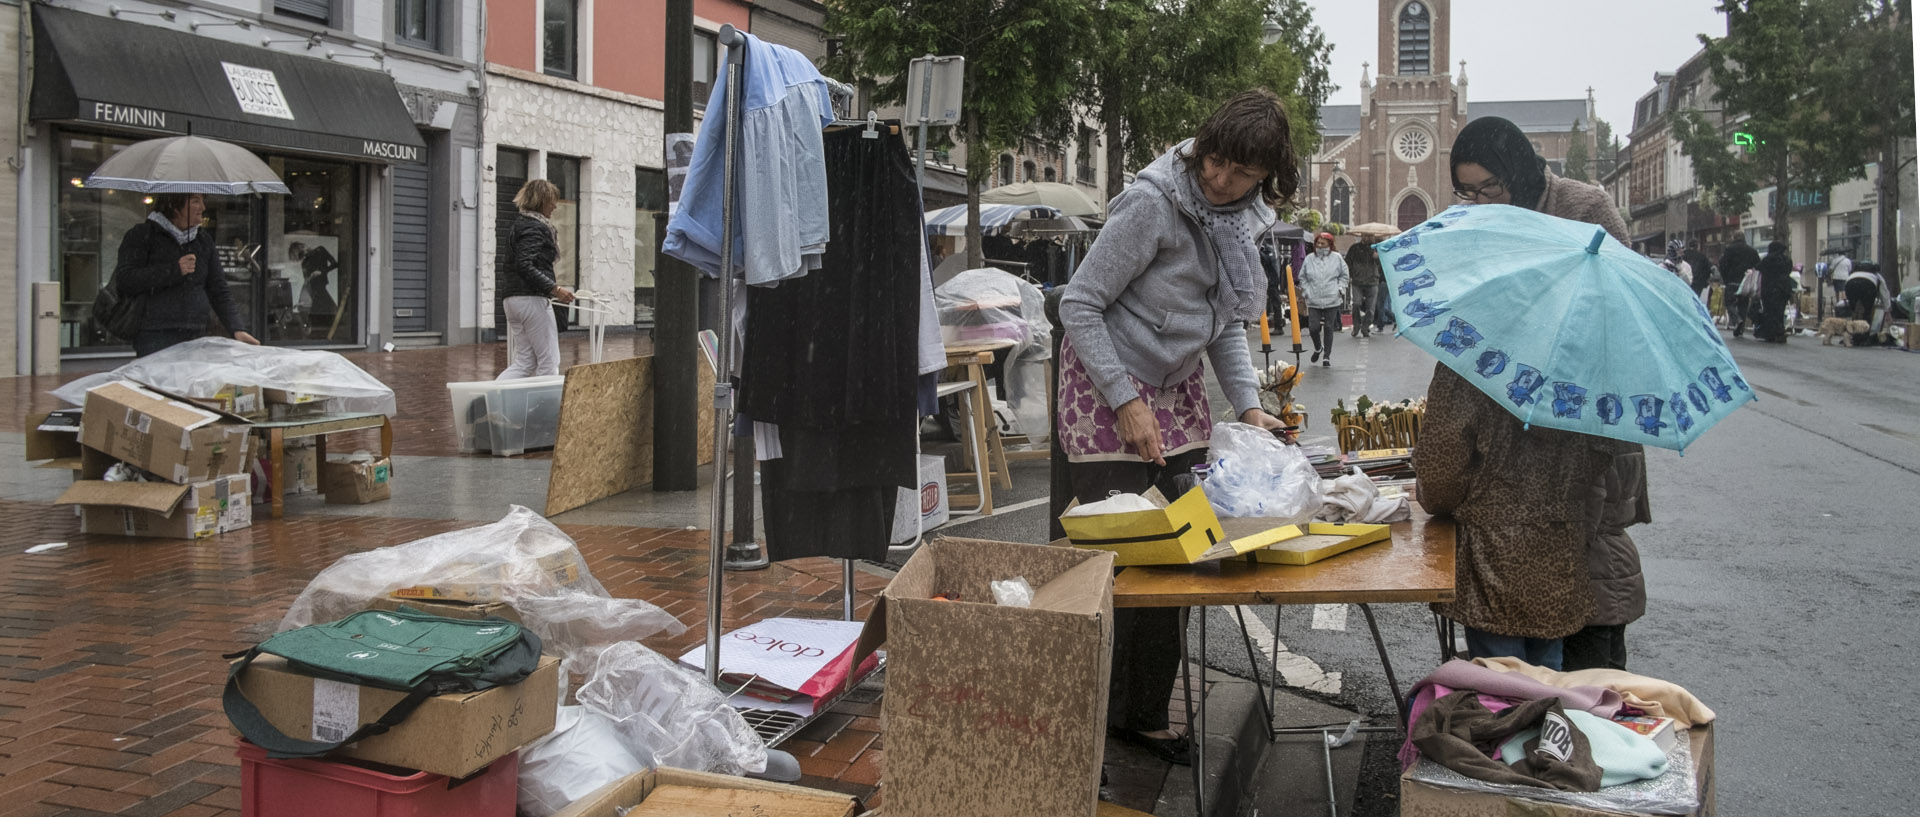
(513, 34)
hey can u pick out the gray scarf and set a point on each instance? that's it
(1233, 228)
(183, 236)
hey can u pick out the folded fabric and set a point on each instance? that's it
(1622, 754)
(1650, 695)
(1423, 697)
(1595, 698)
(1453, 729)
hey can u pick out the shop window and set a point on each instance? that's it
(319, 11)
(1853, 232)
(706, 65)
(417, 23)
(650, 201)
(291, 263)
(561, 46)
(564, 172)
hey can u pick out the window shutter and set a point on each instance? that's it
(316, 10)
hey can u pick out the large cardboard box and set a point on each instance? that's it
(1180, 533)
(454, 735)
(356, 483)
(699, 794)
(167, 436)
(240, 401)
(1419, 799)
(163, 509)
(994, 710)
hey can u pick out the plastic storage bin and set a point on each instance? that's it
(325, 788)
(507, 417)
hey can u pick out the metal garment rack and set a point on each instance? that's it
(771, 726)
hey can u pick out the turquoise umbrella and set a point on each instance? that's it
(1562, 325)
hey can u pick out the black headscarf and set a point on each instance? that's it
(1498, 145)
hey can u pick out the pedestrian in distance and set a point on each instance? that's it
(1323, 284)
(1865, 291)
(1736, 262)
(1776, 288)
(1363, 266)
(169, 259)
(1839, 270)
(1701, 267)
(526, 282)
(1676, 264)
(1173, 278)
(1519, 495)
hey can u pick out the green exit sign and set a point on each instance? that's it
(1747, 140)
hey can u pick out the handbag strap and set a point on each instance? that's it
(258, 730)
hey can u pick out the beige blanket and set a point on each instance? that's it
(1656, 697)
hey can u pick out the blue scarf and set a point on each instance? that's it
(183, 236)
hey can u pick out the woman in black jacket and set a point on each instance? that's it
(526, 281)
(1776, 288)
(172, 262)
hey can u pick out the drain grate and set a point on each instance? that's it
(775, 726)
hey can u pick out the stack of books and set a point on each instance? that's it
(1385, 466)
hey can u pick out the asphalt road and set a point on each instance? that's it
(1780, 574)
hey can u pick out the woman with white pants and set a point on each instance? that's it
(527, 281)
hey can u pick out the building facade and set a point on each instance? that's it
(369, 111)
(1387, 159)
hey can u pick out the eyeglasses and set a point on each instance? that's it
(1489, 189)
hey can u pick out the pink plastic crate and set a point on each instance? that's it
(326, 788)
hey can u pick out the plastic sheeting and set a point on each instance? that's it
(665, 714)
(581, 754)
(1255, 474)
(522, 560)
(200, 368)
(981, 305)
(1674, 792)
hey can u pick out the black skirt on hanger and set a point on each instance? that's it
(832, 358)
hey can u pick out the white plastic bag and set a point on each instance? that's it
(1014, 592)
(1355, 499)
(990, 304)
(522, 560)
(1255, 474)
(581, 754)
(665, 714)
(200, 368)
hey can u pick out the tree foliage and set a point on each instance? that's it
(1579, 158)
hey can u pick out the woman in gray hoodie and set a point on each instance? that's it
(1173, 278)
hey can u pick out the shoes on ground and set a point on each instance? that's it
(1177, 751)
(1328, 362)
(1316, 356)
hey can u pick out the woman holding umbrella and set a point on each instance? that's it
(1174, 277)
(171, 261)
(1546, 571)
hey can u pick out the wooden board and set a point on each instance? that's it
(605, 442)
(689, 801)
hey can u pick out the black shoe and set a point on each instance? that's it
(1177, 751)
(1327, 363)
(1316, 356)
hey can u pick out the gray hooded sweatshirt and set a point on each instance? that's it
(1150, 297)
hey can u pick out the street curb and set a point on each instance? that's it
(1236, 744)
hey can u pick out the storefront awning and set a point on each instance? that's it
(93, 69)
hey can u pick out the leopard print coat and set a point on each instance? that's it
(1520, 498)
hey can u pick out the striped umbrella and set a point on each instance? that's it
(994, 218)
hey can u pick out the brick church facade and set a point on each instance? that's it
(1386, 159)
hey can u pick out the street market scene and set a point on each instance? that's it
(590, 408)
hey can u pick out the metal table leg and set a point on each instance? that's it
(1386, 664)
(1197, 732)
(1193, 730)
(1266, 707)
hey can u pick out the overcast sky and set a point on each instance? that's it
(1540, 49)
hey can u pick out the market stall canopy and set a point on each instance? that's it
(1066, 198)
(187, 164)
(994, 218)
(1050, 227)
(1562, 325)
(93, 69)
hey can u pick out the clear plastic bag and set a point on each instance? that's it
(582, 753)
(666, 714)
(990, 304)
(200, 368)
(522, 560)
(1255, 474)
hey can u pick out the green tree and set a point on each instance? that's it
(1022, 67)
(1579, 158)
(1876, 112)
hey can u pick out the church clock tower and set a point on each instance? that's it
(1413, 37)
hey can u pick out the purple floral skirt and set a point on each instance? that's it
(1089, 429)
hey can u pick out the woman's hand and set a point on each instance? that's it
(246, 338)
(188, 263)
(1138, 429)
(1261, 419)
(561, 294)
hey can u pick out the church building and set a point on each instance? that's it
(1386, 159)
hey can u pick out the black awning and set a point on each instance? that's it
(94, 69)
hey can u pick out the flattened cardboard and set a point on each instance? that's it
(152, 497)
(994, 710)
(163, 434)
(449, 609)
(454, 735)
(1179, 534)
(1419, 799)
(634, 789)
(1320, 540)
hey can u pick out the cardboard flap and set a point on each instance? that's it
(158, 497)
(46, 441)
(195, 405)
(1084, 588)
(175, 411)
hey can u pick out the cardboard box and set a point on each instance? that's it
(724, 794)
(303, 470)
(454, 735)
(449, 609)
(1419, 799)
(157, 509)
(1301, 544)
(240, 401)
(994, 710)
(291, 398)
(356, 483)
(1178, 534)
(479, 585)
(54, 437)
(165, 435)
